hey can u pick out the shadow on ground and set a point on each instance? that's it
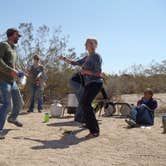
(68, 123)
(5, 131)
(68, 139)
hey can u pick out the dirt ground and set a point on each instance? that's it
(46, 144)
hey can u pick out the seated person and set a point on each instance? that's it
(143, 113)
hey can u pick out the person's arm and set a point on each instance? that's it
(139, 102)
(79, 62)
(3, 66)
(89, 72)
(154, 105)
(66, 60)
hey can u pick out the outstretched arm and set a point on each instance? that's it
(66, 60)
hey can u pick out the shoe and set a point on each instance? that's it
(146, 127)
(92, 135)
(29, 111)
(15, 122)
(131, 122)
(40, 111)
(2, 136)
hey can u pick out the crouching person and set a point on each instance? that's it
(143, 113)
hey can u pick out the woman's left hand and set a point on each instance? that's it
(83, 72)
(88, 72)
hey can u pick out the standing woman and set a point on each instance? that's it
(91, 71)
(37, 77)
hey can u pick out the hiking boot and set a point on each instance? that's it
(15, 122)
(2, 136)
(131, 122)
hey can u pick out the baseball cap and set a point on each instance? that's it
(11, 31)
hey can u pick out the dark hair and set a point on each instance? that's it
(11, 31)
(36, 56)
(149, 91)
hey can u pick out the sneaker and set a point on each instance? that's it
(15, 122)
(131, 122)
(2, 136)
(148, 127)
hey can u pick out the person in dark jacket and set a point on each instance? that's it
(91, 72)
(143, 113)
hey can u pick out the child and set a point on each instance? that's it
(143, 113)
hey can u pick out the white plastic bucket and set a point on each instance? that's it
(56, 110)
(72, 100)
(72, 103)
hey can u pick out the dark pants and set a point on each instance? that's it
(90, 92)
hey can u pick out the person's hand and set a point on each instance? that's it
(27, 74)
(37, 82)
(14, 73)
(98, 74)
(44, 84)
(61, 57)
(83, 72)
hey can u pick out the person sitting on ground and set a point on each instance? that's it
(143, 113)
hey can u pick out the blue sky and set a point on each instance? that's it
(129, 31)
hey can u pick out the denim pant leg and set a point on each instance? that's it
(78, 90)
(79, 116)
(17, 101)
(145, 117)
(32, 100)
(40, 98)
(6, 102)
(134, 113)
(76, 86)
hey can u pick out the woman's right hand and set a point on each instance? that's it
(66, 60)
(61, 57)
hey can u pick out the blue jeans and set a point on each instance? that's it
(78, 90)
(11, 101)
(141, 115)
(33, 91)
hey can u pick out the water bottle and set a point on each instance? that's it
(46, 117)
(164, 123)
(23, 80)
